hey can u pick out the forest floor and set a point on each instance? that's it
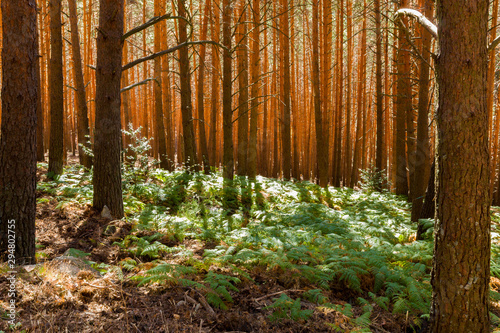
(195, 254)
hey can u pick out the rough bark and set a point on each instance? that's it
(421, 156)
(243, 117)
(186, 102)
(379, 163)
(286, 149)
(201, 90)
(18, 136)
(159, 129)
(254, 103)
(403, 107)
(56, 91)
(107, 166)
(81, 102)
(227, 111)
(461, 269)
(321, 147)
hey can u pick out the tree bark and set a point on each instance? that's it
(81, 102)
(227, 111)
(254, 103)
(56, 91)
(403, 107)
(158, 93)
(421, 156)
(321, 146)
(379, 163)
(201, 90)
(286, 149)
(107, 164)
(461, 268)
(186, 102)
(242, 93)
(18, 136)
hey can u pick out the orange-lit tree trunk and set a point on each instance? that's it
(56, 89)
(254, 102)
(185, 84)
(81, 102)
(201, 89)
(356, 163)
(286, 148)
(18, 136)
(243, 118)
(227, 111)
(159, 9)
(379, 163)
(321, 146)
(107, 146)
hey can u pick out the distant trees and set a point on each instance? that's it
(20, 94)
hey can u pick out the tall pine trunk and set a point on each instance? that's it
(461, 268)
(107, 146)
(18, 136)
(81, 102)
(56, 91)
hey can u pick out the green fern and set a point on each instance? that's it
(285, 307)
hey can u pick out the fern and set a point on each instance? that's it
(285, 307)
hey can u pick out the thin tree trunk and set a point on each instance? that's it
(321, 146)
(81, 102)
(286, 148)
(242, 93)
(254, 104)
(421, 155)
(186, 103)
(158, 92)
(107, 146)
(227, 111)
(379, 163)
(56, 89)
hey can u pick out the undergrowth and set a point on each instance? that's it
(321, 240)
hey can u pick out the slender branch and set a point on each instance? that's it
(146, 25)
(494, 44)
(424, 21)
(170, 50)
(132, 86)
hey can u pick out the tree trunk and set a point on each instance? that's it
(56, 90)
(107, 166)
(186, 102)
(286, 149)
(201, 90)
(321, 146)
(227, 111)
(18, 136)
(379, 163)
(81, 102)
(158, 93)
(461, 269)
(242, 93)
(254, 103)
(421, 156)
(403, 107)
